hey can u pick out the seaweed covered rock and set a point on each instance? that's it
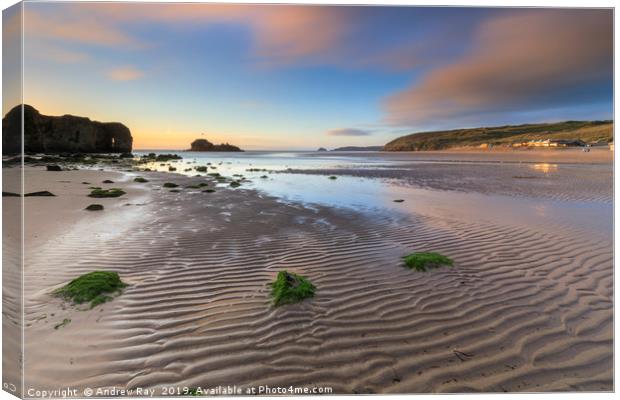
(102, 193)
(426, 260)
(290, 288)
(94, 287)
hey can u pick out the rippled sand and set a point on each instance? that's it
(527, 307)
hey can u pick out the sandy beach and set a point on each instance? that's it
(527, 306)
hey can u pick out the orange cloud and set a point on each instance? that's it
(282, 33)
(75, 28)
(524, 60)
(125, 74)
(285, 34)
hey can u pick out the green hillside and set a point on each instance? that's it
(587, 131)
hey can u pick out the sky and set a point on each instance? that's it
(269, 77)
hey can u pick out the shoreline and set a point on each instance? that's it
(597, 155)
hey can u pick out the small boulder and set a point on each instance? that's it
(94, 207)
(43, 193)
(53, 168)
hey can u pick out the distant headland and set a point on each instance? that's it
(560, 134)
(205, 145)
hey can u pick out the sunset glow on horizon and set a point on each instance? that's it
(303, 77)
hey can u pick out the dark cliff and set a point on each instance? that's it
(63, 134)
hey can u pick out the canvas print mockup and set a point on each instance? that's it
(205, 199)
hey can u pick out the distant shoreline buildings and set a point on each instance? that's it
(551, 143)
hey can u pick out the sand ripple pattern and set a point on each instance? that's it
(522, 310)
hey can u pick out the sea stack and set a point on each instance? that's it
(205, 145)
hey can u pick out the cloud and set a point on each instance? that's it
(77, 28)
(286, 34)
(64, 56)
(125, 74)
(282, 34)
(348, 132)
(522, 61)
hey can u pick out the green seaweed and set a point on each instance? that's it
(95, 287)
(235, 184)
(425, 260)
(170, 185)
(333, 177)
(94, 207)
(209, 191)
(101, 193)
(290, 288)
(140, 180)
